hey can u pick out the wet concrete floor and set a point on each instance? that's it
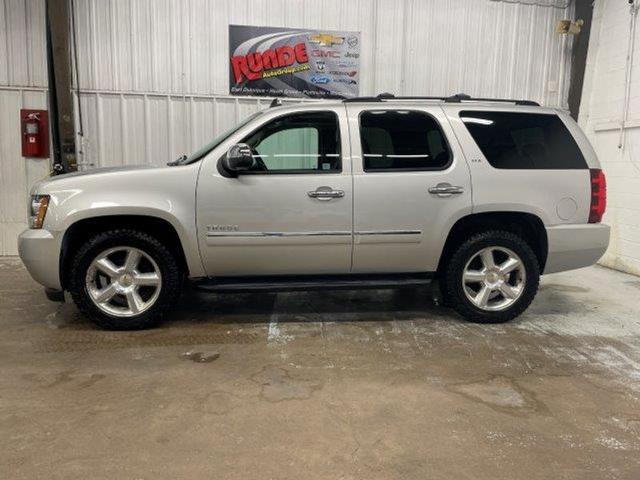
(331, 385)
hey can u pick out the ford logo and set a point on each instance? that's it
(320, 79)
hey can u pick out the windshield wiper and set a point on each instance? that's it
(178, 161)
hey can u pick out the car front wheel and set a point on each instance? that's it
(124, 279)
(492, 277)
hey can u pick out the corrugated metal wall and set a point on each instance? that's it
(23, 84)
(154, 73)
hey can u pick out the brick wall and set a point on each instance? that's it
(601, 112)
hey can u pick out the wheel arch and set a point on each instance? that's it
(80, 230)
(527, 225)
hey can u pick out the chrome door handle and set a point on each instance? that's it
(446, 190)
(325, 193)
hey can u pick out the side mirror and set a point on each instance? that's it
(238, 159)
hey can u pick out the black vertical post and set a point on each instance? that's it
(584, 11)
(60, 95)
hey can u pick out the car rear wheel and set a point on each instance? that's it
(492, 277)
(124, 279)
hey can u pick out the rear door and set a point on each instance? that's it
(410, 182)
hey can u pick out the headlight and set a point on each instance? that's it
(39, 205)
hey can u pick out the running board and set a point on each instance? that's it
(311, 282)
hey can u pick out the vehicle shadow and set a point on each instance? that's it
(312, 306)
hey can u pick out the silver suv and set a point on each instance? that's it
(483, 195)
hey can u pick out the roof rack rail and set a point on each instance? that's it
(461, 97)
(457, 98)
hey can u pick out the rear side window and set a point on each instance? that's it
(402, 140)
(514, 140)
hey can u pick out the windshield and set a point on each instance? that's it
(197, 155)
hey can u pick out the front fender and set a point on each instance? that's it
(166, 194)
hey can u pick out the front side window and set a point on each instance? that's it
(297, 143)
(513, 140)
(402, 140)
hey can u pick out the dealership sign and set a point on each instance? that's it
(289, 62)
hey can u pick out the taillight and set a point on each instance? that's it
(598, 195)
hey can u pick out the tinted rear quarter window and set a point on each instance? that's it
(513, 140)
(402, 140)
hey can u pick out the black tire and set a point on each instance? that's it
(165, 259)
(455, 268)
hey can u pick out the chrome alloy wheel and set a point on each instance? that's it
(494, 279)
(123, 281)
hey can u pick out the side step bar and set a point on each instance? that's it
(311, 282)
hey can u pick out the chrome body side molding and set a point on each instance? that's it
(277, 234)
(390, 232)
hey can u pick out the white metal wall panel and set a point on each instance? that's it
(16, 173)
(23, 59)
(482, 48)
(408, 46)
(154, 73)
(601, 113)
(23, 80)
(153, 128)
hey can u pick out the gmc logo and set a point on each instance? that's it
(325, 54)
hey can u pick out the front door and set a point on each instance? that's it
(410, 184)
(292, 213)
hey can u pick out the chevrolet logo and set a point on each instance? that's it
(326, 39)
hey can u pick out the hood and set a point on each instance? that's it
(100, 171)
(97, 176)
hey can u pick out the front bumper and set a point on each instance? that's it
(39, 250)
(575, 246)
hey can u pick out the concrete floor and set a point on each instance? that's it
(329, 385)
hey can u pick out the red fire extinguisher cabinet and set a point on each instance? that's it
(34, 126)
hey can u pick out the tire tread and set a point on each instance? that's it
(458, 260)
(171, 278)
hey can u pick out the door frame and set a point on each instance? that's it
(405, 240)
(302, 235)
